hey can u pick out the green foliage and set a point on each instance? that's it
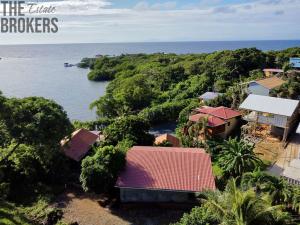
(237, 206)
(35, 121)
(87, 63)
(244, 207)
(101, 75)
(31, 154)
(99, 172)
(198, 216)
(132, 128)
(186, 112)
(10, 215)
(98, 124)
(152, 83)
(238, 157)
(290, 89)
(166, 112)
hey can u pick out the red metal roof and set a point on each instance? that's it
(79, 144)
(212, 120)
(221, 112)
(163, 168)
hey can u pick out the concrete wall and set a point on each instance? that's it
(230, 126)
(257, 89)
(152, 196)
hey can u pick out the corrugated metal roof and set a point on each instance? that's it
(162, 168)
(274, 70)
(278, 106)
(211, 120)
(79, 144)
(209, 95)
(220, 112)
(270, 83)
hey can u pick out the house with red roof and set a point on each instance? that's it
(221, 121)
(80, 142)
(165, 174)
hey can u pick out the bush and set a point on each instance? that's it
(198, 216)
(166, 112)
(132, 128)
(101, 75)
(4, 190)
(99, 172)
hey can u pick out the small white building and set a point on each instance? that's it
(278, 112)
(264, 86)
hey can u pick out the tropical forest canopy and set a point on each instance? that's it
(158, 86)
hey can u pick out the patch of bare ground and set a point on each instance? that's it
(86, 209)
(269, 149)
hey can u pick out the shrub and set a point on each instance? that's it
(99, 172)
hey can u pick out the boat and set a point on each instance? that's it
(68, 65)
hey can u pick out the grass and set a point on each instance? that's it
(10, 215)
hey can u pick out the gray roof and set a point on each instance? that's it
(210, 95)
(278, 106)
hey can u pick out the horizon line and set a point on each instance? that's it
(141, 42)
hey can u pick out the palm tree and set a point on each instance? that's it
(194, 131)
(238, 207)
(296, 199)
(280, 190)
(256, 179)
(237, 157)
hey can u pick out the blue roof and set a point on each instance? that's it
(209, 95)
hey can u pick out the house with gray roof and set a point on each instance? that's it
(282, 114)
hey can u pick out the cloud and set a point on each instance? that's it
(224, 9)
(98, 21)
(279, 12)
(144, 5)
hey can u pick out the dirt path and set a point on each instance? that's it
(86, 210)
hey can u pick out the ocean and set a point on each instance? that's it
(38, 70)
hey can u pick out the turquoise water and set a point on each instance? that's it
(27, 70)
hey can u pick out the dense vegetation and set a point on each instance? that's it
(159, 86)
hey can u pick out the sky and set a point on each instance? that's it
(101, 21)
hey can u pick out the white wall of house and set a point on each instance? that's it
(257, 89)
(272, 119)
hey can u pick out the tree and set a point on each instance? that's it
(132, 128)
(35, 121)
(99, 172)
(198, 216)
(243, 207)
(280, 190)
(194, 134)
(238, 157)
(296, 199)
(256, 179)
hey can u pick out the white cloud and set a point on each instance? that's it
(97, 21)
(144, 5)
